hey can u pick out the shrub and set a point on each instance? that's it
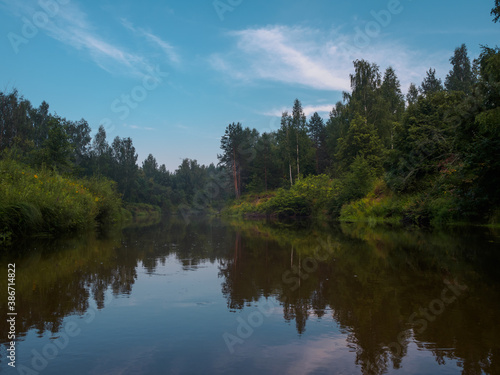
(44, 201)
(288, 203)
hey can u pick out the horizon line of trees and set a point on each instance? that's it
(442, 137)
(438, 134)
(40, 139)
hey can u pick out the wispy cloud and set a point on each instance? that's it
(70, 25)
(313, 58)
(136, 127)
(167, 48)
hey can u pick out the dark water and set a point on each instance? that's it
(256, 298)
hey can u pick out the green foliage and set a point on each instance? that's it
(424, 140)
(495, 12)
(311, 196)
(359, 180)
(106, 198)
(288, 203)
(141, 211)
(460, 78)
(336, 129)
(412, 95)
(317, 134)
(431, 84)
(378, 206)
(381, 205)
(42, 201)
(361, 141)
(440, 158)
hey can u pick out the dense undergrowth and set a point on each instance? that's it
(354, 200)
(43, 201)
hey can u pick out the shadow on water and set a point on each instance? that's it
(385, 288)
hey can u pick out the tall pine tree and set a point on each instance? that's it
(460, 78)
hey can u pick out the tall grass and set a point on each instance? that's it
(42, 201)
(311, 196)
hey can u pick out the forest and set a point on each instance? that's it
(429, 157)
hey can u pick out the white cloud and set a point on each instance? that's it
(308, 110)
(315, 59)
(69, 25)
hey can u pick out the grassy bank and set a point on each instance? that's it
(325, 198)
(312, 196)
(45, 202)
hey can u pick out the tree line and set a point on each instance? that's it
(440, 138)
(41, 139)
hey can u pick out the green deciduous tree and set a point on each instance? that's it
(56, 150)
(124, 171)
(365, 84)
(79, 138)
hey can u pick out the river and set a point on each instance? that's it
(215, 297)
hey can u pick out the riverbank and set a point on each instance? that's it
(44, 202)
(143, 211)
(323, 198)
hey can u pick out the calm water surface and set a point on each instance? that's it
(256, 298)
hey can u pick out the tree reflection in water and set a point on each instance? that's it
(370, 281)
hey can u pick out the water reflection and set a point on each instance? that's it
(379, 285)
(384, 287)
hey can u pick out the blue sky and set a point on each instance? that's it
(173, 74)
